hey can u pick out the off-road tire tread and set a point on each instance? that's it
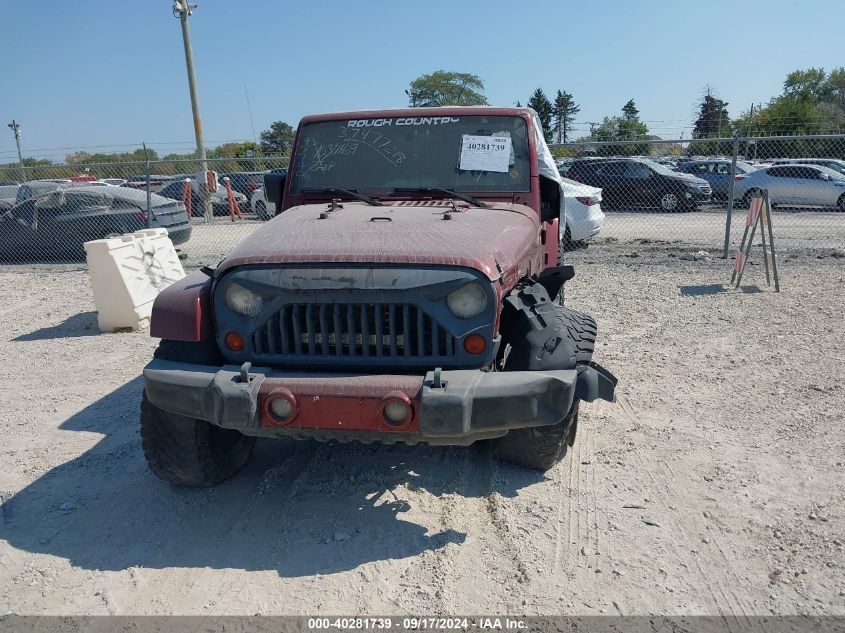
(181, 450)
(582, 330)
(542, 447)
(538, 448)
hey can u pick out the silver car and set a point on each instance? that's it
(802, 185)
(834, 163)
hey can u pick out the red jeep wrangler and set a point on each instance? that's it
(410, 290)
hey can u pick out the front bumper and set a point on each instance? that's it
(697, 196)
(448, 407)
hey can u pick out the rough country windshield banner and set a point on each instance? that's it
(465, 153)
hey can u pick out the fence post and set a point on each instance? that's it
(149, 195)
(730, 207)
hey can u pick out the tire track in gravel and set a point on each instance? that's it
(738, 607)
(445, 582)
(515, 578)
(725, 600)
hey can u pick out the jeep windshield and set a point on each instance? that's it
(390, 154)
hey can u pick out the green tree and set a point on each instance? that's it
(82, 157)
(713, 120)
(278, 139)
(540, 103)
(445, 88)
(808, 84)
(630, 111)
(619, 128)
(234, 150)
(563, 113)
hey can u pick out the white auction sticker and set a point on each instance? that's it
(485, 153)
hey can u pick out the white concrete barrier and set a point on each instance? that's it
(127, 273)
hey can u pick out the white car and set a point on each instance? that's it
(802, 185)
(584, 217)
(259, 204)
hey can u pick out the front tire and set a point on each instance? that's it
(186, 451)
(189, 452)
(539, 448)
(542, 447)
(841, 203)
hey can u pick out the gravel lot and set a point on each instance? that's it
(704, 229)
(713, 486)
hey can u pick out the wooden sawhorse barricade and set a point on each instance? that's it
(759, 212)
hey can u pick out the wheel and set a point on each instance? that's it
(261, 210)
(841, 203)
(751, 193)
(669, 201)
(542, 447)
(185, 451)
(190, 452)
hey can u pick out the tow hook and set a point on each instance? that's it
(245, 372)
(437, 383)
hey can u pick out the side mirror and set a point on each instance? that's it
(274, 188)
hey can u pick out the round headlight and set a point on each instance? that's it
(243, 301)
(468, 301)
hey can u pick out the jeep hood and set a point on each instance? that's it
(492, 240)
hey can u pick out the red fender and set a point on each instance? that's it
(182, 311)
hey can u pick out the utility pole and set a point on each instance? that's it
(181, 10)
(16, 130)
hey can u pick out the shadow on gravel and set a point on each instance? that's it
(82, 324)
(715, 289)
(298, 508)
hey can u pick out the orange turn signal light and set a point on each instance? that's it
(235, 342)
(475, 344)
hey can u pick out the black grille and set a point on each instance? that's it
(357, 330)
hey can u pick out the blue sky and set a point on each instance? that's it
(84, 73)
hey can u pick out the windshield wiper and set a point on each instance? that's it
(345, 192)
(449, 192)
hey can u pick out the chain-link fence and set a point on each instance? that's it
(47, 212)
(692, 194)
(683, 195)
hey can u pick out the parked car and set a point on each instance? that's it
(641, 182)
(245, 182)
(429, 308)
(717, 172)
(259, 202)
(584, 217)
(831, 163)
(219, 200)
(117, 182)
(59, 222)
(140, 182)
(33, 188)
(262, 207)
(800, 185)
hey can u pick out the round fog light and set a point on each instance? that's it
(281, 408)
(235, 342)
(396, 411)
(475, 344)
